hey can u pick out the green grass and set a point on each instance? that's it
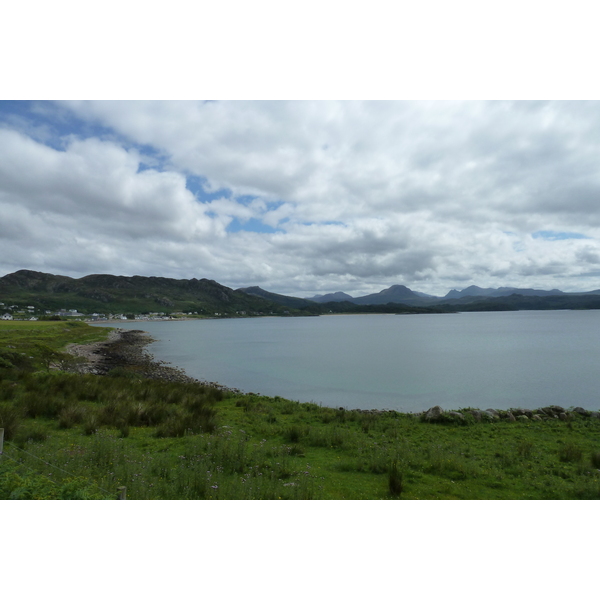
(83, 436)
(32, 345)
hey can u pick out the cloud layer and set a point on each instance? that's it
(305, 197)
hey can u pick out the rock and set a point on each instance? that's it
(434, 413)
(536, 418)
(563, 416)
(595, 414)
(456, 415)
(581, 411)
(523, 418)
(490, 414)
(553, 410)
(510, 417)
(522, 411)
(476, 414)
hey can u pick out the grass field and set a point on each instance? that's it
(83, 436)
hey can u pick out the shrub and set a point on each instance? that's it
(10, 420)
(91, 424)
(596, 459)
(70, 416)
(570, 453)
(33, 433)
(395, 480)
(295, 433)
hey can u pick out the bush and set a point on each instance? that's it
(395, 480)
(10, 420)
(70, 416)
(570, 453)
(31, 433)
(596, 459)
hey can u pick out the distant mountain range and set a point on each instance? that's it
(137, 294)
(400, 293)
(474, 290)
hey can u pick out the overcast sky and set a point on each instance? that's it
(305, 197)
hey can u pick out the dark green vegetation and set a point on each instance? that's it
(82, 436)
(127, 295)
(105, 294)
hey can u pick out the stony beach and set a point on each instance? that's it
(126, 349)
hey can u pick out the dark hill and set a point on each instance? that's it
(336, 297)
(114, 293)
(289, 301)
(397, 294)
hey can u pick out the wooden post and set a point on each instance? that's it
(122, 493)
(1, 440)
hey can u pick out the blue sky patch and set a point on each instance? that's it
(254, 225)
(553, 236)
(197, 185)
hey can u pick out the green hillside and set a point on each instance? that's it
(118, 294)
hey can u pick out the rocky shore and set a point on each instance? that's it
(125, 349)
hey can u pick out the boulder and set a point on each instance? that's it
(434, 413)
(595, 414)
(581, 411)
(553, 410)
(490, 414)
(523, 412)
(456, 415)
(536, 418)
(476, 414)
(563, 416)
(523, 418)
(510, 416)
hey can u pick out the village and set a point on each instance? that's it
(30, 313)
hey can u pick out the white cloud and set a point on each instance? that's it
(363, 195)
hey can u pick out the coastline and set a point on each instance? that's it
(126, 349)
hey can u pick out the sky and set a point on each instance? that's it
(305, 197)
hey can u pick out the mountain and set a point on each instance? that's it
(397, 294)
(336, 297)
(114, 293)
(289, 301)
(475, 290)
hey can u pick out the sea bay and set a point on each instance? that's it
(407, 363)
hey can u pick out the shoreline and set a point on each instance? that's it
(126, 349)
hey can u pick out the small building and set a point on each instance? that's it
(6, 317)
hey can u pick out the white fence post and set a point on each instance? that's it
(122, 493)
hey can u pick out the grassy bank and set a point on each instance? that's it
(83, 436)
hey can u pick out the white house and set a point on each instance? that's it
(6, 317)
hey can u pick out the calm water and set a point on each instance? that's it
(404, 362)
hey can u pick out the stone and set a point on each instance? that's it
(581, 411)
(536, 418)
(434, 413)
(553, 410)
(456, 415)
(476, 414)
(510, 416)
(563, 416)
(523, 418)
(595, 414)
(490, 414)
